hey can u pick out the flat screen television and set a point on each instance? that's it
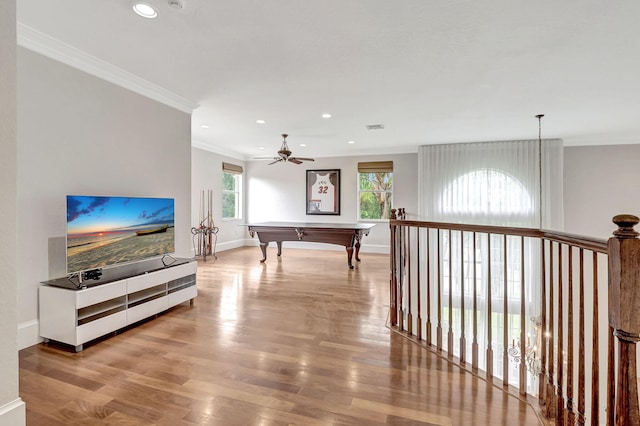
(107, 231)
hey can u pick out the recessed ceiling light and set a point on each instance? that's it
(351, 142)
(260, 121)
(145, 10)
(303, 144)
(326, 115)
(204, 126)
(261, 147)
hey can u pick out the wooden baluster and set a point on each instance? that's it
(439, 326)
(505, 315)
(595, 358)
(403, 284)
(474, 345)
(450, 333)
(551, 392)
(408, 273)
(393, 280)
(489, 325)
(463, 343)
(419, 319)
(401, 320)
(611, 378)
(624, 317)
(523, 313)
(580, 420)
(571, 419)
(543, 326)
(560, 412)
(429, 326)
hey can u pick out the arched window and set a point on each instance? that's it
(488, 196)
(486, 192)
(504, 183)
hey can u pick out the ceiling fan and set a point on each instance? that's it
(284, 154)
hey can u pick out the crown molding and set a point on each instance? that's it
(195, 143)
(55, 49)
(601, 140)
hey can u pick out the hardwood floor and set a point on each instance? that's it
(296, 341)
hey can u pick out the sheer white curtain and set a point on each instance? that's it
(490, 183)
(451, 187)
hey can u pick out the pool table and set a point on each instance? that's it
(344, 234)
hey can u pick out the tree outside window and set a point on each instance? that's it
(231, 191)
(375, 190)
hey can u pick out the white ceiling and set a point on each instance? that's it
(430, 71)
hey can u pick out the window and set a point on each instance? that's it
(231, 191)
(490, 183)
(493, 193)
(487, 192)
(375, 190)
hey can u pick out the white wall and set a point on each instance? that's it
(206, 174)
(599, 183)
(82, 135)
(12, 410)
(277, 192)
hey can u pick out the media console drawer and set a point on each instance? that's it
(93, 295)
(100, 327)
(140, 312)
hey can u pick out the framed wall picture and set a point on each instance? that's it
(323, 192)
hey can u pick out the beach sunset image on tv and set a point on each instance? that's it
(104, 231)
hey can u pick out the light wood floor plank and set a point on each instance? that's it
(406, 413)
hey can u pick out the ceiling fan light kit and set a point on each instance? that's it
(284, 154)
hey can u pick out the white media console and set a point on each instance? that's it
(75, 316)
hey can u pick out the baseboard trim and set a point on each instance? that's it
(252, 242)
(228, 245)
(28, 334)
(365, 248)
(13, 413)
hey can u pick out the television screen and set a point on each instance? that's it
(105, 231)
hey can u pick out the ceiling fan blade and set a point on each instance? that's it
(303, 159)
(295, 160)
(276, 160)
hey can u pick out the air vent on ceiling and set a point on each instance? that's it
(375, 126)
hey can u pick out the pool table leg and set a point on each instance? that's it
(279, 243)
(263, 247)
(350, 257)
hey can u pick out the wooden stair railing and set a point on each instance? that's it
(428, 291)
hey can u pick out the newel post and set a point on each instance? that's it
(624, 314)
